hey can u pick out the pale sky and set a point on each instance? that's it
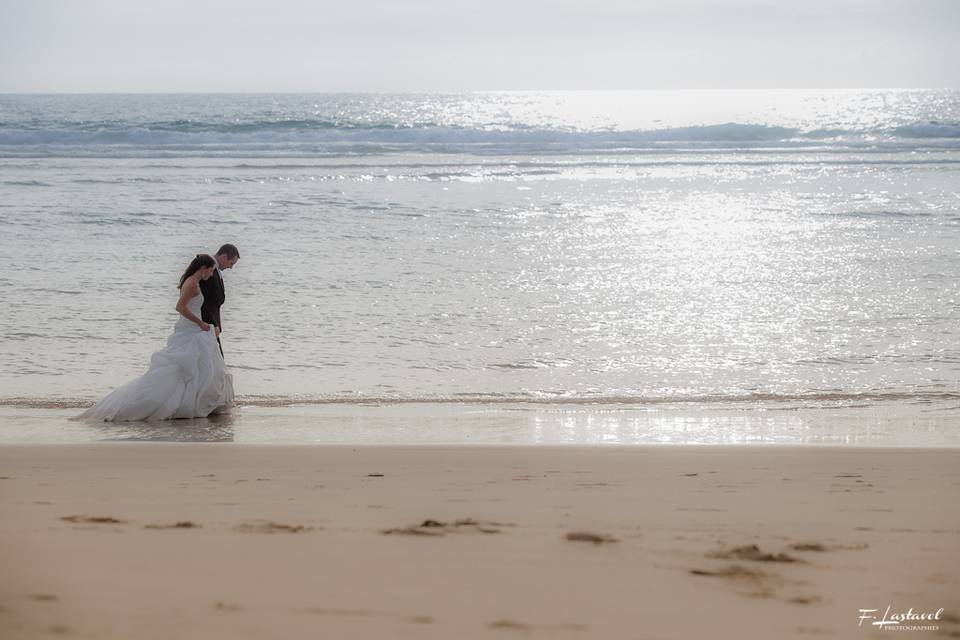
(451, 45)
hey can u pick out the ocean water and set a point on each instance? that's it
(643, 248)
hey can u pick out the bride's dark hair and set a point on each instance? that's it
(202, 261)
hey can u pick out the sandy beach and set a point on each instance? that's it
(445, 320)
(160, 540)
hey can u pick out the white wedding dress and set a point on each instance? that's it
(187, 379)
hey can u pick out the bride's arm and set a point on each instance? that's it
(188, 291)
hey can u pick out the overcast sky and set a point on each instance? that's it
(427, 45)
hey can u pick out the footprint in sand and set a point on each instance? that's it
(509, 624)
(414, 530)
(514, 625)
(589, 536)
(753, 553)
(733, 571)
(431, 527)
(340, 612)
(820, 547)
(271, 527)
(184, 524)
(43, 597)
(759, 584)
(368, 613)
(93, 520)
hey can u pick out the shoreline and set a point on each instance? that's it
(765, 400)
(118, 540)
(884, 425)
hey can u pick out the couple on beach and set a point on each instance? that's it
(188, 378)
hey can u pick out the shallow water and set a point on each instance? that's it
(890, 425)
(649, 247)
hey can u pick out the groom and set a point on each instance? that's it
(212, 288)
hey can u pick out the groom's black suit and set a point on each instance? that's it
(213, 297)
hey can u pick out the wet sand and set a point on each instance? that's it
(158, 540)
(895, 424)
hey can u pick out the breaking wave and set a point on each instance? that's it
(317, 136)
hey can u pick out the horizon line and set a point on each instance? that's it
(456, 91)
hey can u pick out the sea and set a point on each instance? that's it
(643, 266)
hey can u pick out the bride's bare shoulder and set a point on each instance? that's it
(190, 288)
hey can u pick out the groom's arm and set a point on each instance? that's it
(212, 299)
(213, 313)
(221, 295)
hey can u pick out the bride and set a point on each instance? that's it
(188, 378)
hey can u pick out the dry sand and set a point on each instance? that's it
(224, 541)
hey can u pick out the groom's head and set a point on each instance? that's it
(227, 256)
